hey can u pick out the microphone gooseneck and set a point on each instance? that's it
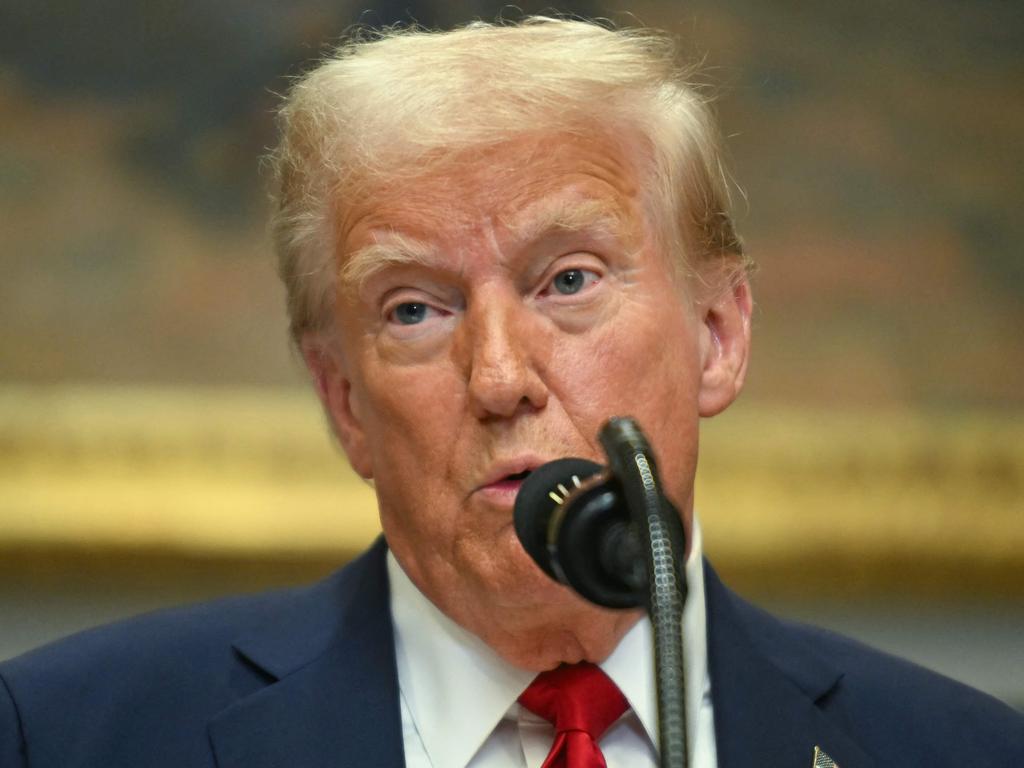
(660, 528)
(613, 536)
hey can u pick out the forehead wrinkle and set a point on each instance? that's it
(563, 216)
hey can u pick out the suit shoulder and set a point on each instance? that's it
(890, 706)
(193, 633)
(878, 690)
(875, 669)
(106, 695)
(164, 637)
(102, 695)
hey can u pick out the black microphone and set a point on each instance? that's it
(572, 520)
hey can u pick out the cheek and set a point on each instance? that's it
(412, 424)
(412, 415)
(636, 356)
(644, 365)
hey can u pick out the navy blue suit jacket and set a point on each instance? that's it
(306, 678)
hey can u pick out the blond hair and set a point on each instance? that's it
(389, 105)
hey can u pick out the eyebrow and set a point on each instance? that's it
(399, 250)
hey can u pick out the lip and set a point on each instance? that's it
(496, 483)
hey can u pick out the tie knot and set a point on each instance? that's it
(576, 697)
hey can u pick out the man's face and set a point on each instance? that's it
(496, 317)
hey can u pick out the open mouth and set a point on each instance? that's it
(509, 484)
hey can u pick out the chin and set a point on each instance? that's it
(545, 600)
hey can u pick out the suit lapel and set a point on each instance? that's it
(767, 684)
(333, 698)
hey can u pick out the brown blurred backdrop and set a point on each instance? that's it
(158, 444)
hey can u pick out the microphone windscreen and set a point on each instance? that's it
(534, 504)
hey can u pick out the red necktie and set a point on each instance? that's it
(581, 702)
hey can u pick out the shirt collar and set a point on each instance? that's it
(457, 689)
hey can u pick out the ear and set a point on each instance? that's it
(725, 347)
(334, 388)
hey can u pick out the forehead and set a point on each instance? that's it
(519, 188)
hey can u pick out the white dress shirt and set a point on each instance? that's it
(458, 697)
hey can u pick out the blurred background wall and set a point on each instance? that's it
(157, 440)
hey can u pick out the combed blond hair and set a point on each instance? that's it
(390, 105)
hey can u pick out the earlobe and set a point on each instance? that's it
(725, 348)
(334, 389)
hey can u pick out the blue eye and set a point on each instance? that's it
(410, 313)
(568, 282)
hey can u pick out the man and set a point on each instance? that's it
(493, 240)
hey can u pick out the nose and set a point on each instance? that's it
(502, 346)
